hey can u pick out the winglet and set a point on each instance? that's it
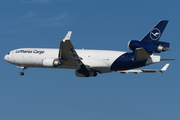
(68, 36)
(165, 67)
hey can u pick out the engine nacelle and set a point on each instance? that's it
(50, 62)
(154, 47)
(89, 74)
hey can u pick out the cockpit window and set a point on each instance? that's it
(8, 53)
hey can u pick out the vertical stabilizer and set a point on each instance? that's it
(155, 33)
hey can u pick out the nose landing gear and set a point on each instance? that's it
(21, 73)
(23, 68)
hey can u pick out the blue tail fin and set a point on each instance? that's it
(155, 34)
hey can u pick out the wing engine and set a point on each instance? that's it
(49, 62)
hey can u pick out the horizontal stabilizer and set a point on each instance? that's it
(167, 59)
(137, 71)
(141, 54)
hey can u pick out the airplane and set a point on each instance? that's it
(88, 63)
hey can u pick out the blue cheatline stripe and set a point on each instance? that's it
(125, 62)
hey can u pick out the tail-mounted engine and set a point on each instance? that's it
(154, 47)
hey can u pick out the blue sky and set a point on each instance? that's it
(57, 94)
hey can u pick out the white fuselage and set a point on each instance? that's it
(34, 57)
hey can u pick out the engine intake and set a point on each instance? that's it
(154, 47)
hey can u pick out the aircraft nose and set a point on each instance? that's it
(6, 58)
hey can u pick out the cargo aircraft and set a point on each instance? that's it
(88, 63)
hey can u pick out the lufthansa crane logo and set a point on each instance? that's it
(155, 34)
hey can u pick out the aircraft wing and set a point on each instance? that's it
(68, 55)
(138, 71)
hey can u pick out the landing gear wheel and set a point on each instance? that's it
(22, 73)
